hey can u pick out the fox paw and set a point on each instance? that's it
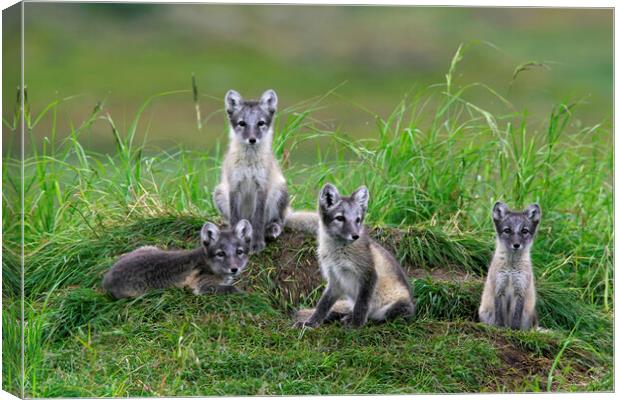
(348, 322)
(228, 289)
(258, 241)
(305, 324)
(273, 230)
(258, 245)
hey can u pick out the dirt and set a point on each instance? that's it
(287, 273)
(520, 367)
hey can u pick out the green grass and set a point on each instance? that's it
(434, 169)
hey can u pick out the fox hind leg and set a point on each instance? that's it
(341, 310)
(221, 202)
(486, 313)
(277, 204)
(273, 230)
(401, 308)
(486, 317)
(303, 315)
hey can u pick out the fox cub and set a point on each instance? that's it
(210, 268)
(364, 281)
(509, 296)
(252, 186)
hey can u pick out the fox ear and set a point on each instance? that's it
(361, 196)
(499, 211)
(243, 230)
(533, 212)
(232, 101)
(329, 196)
(209, 233)
(269, 100)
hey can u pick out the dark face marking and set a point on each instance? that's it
(228, 253)
(516, 230)
(343, 217)
(249, 119)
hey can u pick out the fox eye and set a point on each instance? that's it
(239, 252)
(506, 230)
(261, 123)
(525, 231)
(339, 218)
(358, 220)
(241, 123)
(220, 253)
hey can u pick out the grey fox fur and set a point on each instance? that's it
(252, 186)
(304, 221)
(509, 295)
(210, 268)
(364, 281)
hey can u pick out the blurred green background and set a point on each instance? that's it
(124, 53)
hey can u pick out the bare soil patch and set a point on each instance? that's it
(287, 271)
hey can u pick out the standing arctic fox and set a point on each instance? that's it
(252, 186)
(509, 296)
(364, 281)
(210, 268)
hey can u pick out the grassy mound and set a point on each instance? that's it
(174, 343)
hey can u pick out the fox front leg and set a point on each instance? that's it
(517, 313)
(328, 298)
(258, 222)
(500, 299)
(234, 197)
(360, 309)
(499, 309)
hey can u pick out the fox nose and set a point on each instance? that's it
(234, 270)
(252, 140)
(516, 245)
(355, 236)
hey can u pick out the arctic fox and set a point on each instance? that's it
(252, 186)
(509, 296)
(364, 281)
(210, 268)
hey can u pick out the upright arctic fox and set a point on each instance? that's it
(363, 279)
(509, 296)
(252, 186)
(210, 268)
